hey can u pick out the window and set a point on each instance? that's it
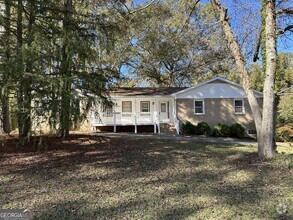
(145, 106)
(199, 107)
(126, 106)
(251, 131)
(39, 108)
(163, 107)
(239, 106)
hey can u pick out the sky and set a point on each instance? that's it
(237, 8)
(285, 45)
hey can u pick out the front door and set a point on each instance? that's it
(164, 111)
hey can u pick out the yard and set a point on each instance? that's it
(94, 177)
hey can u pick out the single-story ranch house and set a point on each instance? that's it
(215, 101)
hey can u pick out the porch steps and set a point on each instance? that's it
(168, 129)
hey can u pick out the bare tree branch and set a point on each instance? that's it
(258, 41)
(288, 28)
(139, 9)
(285, 11)
(190, 14)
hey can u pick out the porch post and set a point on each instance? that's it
(159, 129)
(114, 121)
(135, 116)
(135, 123)
(175, 108)
(155, 116)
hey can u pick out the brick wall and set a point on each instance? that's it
(216, 111)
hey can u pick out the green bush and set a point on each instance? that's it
(285, 109)
(188, 128)
(221, 130)
(237, 130)
(203, 128)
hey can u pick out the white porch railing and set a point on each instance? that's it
(125, 118)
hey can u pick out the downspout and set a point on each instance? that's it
(114, 118)
(155, 115)
(175, 108)
(176, 121)
(135, 116)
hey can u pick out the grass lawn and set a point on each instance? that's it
(87, 177)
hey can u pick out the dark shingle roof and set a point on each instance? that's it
(149, 91)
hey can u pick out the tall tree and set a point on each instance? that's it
(65, 65)
(5, 57)
(23, 89)
(60, 53)
(263, 119)
(176, 43)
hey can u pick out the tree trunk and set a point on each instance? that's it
(263, 122)
(19, 68)
(65, 73)
(264, 60)
(4, 94)
(1, 116)
(5, 111)
(23, 96)
(1, 125)
(267, 129)
(65, 109)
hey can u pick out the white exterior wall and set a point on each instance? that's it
(214, 90)
(136, 102)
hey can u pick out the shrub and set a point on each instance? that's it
(188, 128)
(221, 130)
(285, 109)
(285, 133)
(203, 128)
(237, 130)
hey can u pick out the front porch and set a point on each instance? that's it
(135, 111)
(127, 119)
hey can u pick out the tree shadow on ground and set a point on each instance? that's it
(132, 179)
(66, 155)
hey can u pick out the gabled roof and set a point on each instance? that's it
(145, 91)
(216, 79)
(165, 91)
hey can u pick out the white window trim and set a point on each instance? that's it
(203, 107)
(149, 106)
(126, 114)
(243, 107)
(130, 102)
